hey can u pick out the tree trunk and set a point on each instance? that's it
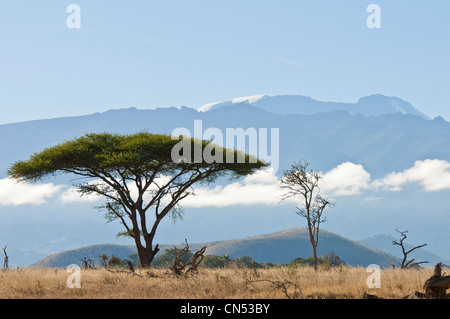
(314, 246)
(141, 251)
(146, 254)
(150, 254)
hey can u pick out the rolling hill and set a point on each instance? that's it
(283, 247)
(278, 248)
(74, 256)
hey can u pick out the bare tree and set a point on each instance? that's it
(405, 263)
(298, 181)
(5, 260)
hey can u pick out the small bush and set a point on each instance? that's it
(330, 260)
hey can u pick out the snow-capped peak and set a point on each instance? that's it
(250, 99)
(207, 107)
(247, 99)
(372, 105)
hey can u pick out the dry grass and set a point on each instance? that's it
(233, 283)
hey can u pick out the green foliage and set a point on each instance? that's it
(330, 260)
(116, 262)
(211, 261)
(166, 259)
(105, 153)
(300, 261)
(333, 260)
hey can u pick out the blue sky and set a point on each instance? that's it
(150, 54)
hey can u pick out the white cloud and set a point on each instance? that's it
(72, 195)
(13, 193)
(261, 188)
(346, 179)
(432, 174)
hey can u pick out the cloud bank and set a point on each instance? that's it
(347, 179)
(432, 175)
(261, 188)
(13, 193)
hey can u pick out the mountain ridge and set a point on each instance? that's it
(278, 248)
(372, 105)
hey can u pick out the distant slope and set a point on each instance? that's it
(372, 105)
(278, 248)
(284, 246)
(69, 257)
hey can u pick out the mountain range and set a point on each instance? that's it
(373, 105)
(385, 137)
(278, 248)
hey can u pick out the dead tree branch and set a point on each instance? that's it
(407, 264)
(179, 266)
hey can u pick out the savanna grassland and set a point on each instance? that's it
(227, 283)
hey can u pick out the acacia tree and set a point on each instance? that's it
(298, 181)
(135, 174)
